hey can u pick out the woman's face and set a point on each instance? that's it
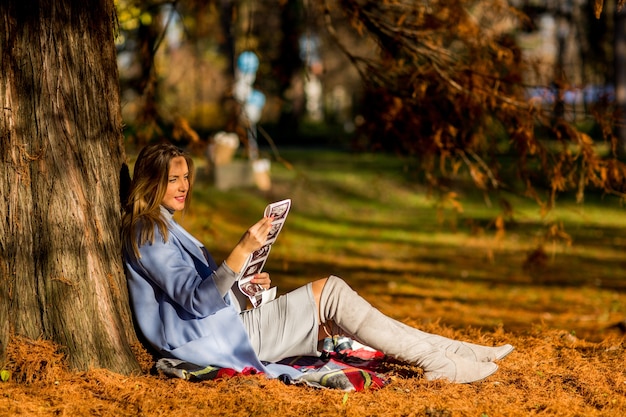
(177, 184)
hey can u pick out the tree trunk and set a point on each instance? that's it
(61, 276)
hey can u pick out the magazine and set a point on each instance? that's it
(257, 294)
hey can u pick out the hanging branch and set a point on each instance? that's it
(444, 75)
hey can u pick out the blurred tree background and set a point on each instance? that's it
(521, 95)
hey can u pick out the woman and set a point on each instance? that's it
(188, 307)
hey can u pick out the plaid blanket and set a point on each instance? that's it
(350, 370)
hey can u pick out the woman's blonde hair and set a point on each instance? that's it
(142, 211)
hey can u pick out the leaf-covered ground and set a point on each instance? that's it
(550, 373)
(553, 286)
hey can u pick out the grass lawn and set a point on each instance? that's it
(551, 285)
(409, 251)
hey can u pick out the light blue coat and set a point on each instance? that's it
(179, 309)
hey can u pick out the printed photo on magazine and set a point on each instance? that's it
(257, 294)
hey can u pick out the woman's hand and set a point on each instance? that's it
(256, 235)
(263, 279)
(253, 239)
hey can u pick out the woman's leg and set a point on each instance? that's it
(284, 327)
(338, 303)
(478, 353)
(317, 287)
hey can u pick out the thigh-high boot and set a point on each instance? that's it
(343, 306)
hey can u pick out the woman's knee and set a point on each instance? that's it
(331, 281)
(318, 287)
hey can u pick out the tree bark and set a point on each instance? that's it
(61, 276)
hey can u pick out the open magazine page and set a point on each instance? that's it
(257, 294)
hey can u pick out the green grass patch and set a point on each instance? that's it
(360, 217)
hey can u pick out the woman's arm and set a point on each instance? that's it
(170, 268)
(253, 239)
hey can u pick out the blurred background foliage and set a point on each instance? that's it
(526, 96)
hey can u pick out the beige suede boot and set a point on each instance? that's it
(467, 350)
(342, 305)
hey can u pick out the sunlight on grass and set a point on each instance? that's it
(360, 217)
